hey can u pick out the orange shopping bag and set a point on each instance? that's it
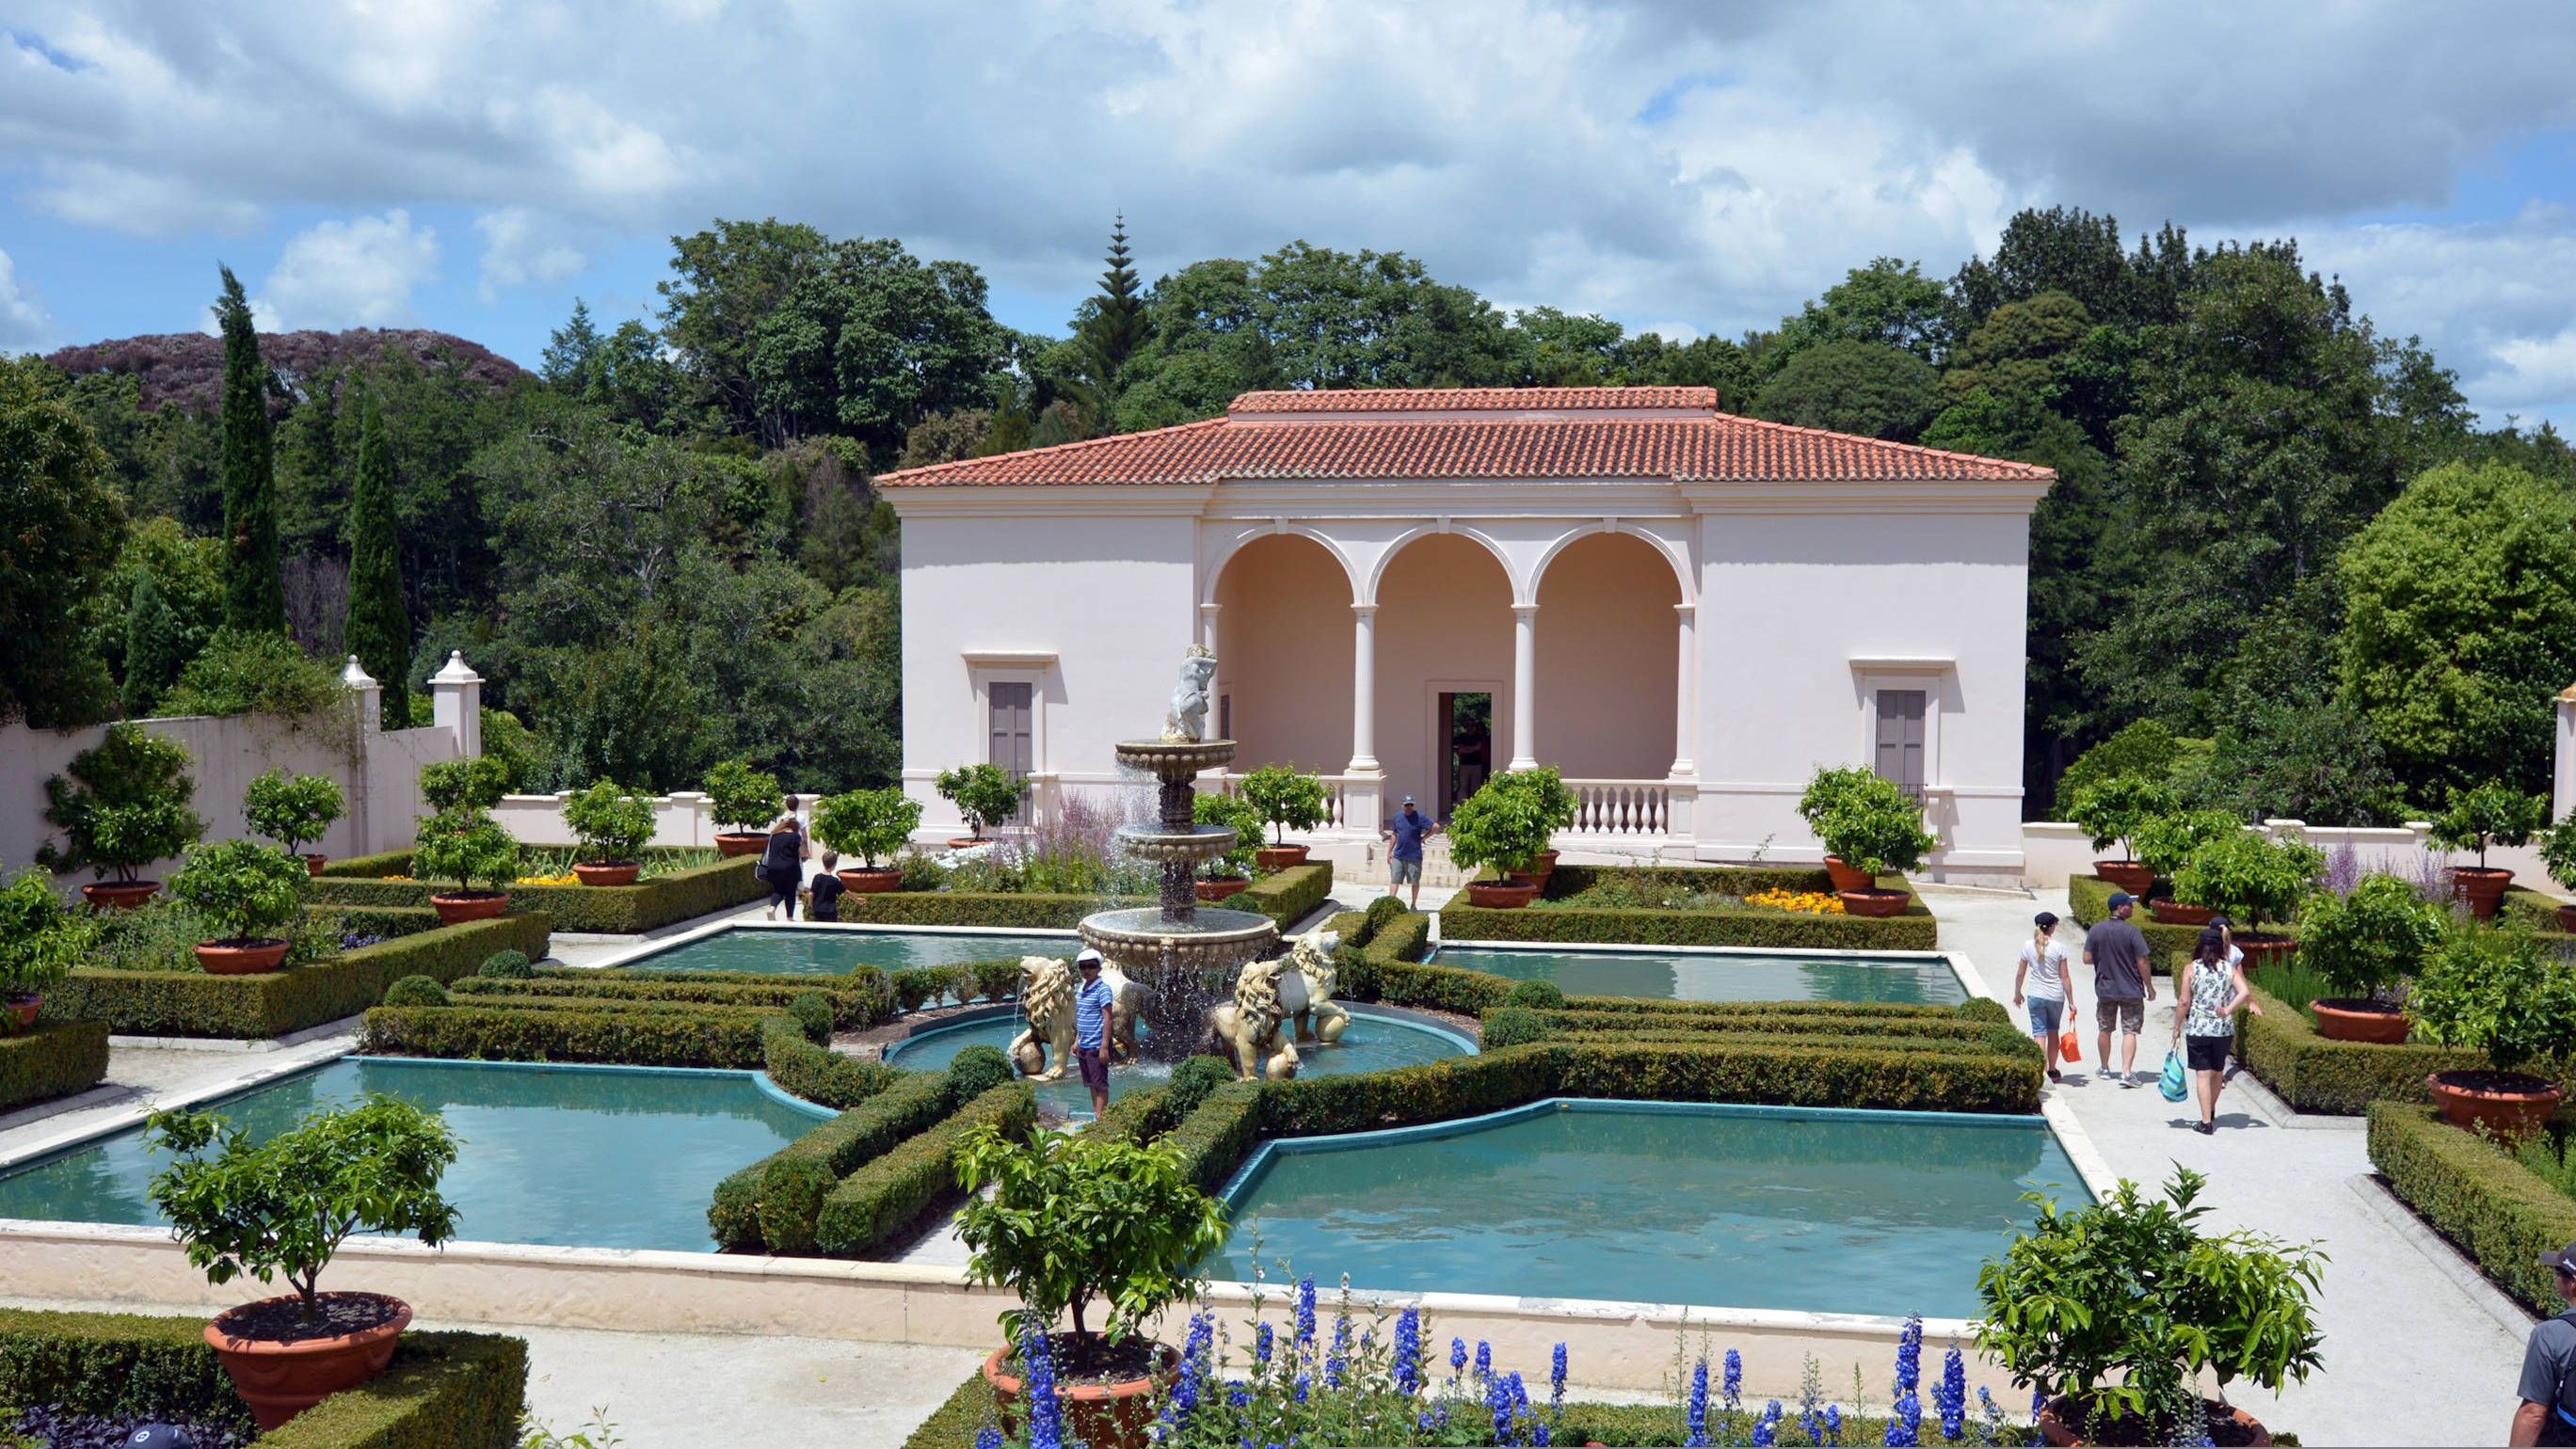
(2066, 1051)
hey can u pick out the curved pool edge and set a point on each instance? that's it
(984, 1015)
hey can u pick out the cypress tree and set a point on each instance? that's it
(1117, 329)
(379, 632)
(158, 644)
(254, 576)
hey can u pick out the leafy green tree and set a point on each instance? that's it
(379, 629)
(2143, 750)
(1889, 303)
(62, 518)
(2460, 624)
(1866, 388)
(254, 577)
(121, 805)
(725, 283)
(254, 672)
(157, 647)
(2065, 250)
(946, 437)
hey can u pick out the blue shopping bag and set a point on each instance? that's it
(2171, 1083)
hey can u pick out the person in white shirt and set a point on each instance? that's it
(2039, 985)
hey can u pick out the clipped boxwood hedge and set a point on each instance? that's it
(1286, 896)
(55, 1059)
(774, 1204)
(191, 1003)
(1015, 910)
(817, 1073)
(2281, 1047)
(442, 1391)
(1218, 1133)
(631, 1033)
(881, 1204)
(2496, 1210)
(601, 910)
(386, 921)
(851, 1010)
(2088, 900)
(2533, 909)
(1915, 930)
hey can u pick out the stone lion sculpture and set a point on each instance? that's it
(1045, 1048)
(1320, 1018)
(1186, 724)
(1247, 1029)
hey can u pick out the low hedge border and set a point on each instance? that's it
(819, 1074)
(442, 1391)
(2088, 900)
(55, 1059)
(390, 922)
(1015, 910)
(573, 1031)
(1915, 930)
(1285, 896)
(1218, 1134)
(871, 992)
(774, 1204)
(2342, 1078)
(885, 1200)
(191, 1003)
(851, 1009)
(600, 910)
(1914, 1026)
(2536, 910)
(2496, 1210)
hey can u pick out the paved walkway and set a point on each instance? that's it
(2415, 1352)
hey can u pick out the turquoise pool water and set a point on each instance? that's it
(1373, 1043)
(832, 953)
(1686, 977)
(1741, 1207)
(556, 1155)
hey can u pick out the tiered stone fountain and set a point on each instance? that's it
(1182, 954)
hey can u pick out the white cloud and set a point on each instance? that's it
(24, 324)
(354, 273)
(520, 247)
(2495, 301)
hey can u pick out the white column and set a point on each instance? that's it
(1686, 691)
(367, 696)
(2562, 791)
(1364, 689)
(1207, 625)
(1524, 686)
(456, 704)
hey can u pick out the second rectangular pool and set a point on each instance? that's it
(782, 951)
(1720, 975)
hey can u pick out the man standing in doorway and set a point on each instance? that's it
(2124, 981)
(1404, 851)
(1091, 1005)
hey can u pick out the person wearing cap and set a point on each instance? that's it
(2547, 1414)
(2211, 991)
(1404, 853)
(2123, 984)
(2043, 970)
(1091, 1005)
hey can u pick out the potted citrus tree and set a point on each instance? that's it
(2164, 842)
(1227, 874)
(2110, 813)
(1827, 790)
(1503, 827)
(1878, 834)
(2558, 857)
(243, 892)
(2492, 814)
(1288, 800)
(292, 810)
(2252, 879)
(2364, 943)
(746, 799)
(466, 846)
(122, 804)
(872, 825)
(987, 795)
(283, 1206)
(475, 784)
(1073, 1220)
(2115, 1311)
(2495, 991)
(612, 827)
(40, 942)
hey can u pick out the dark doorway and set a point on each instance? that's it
(1467, 723)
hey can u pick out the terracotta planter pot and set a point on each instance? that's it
(741, 842)
(964, 842)
(1502, 895)
(111, 896)
(1849, 878)
(455, 910)
(282, 1380)
(2345, 1018)
(2126, 875)
(1874, 903)
(1117, 1415)
(2493, 1102)
(2248, 1430)
(239, 958)
(313, 864)
(606, 873)
(2567, 919)
(2266, 950)
(2175, 913)
(1541, 866)
(2480, 888)
(1279, 857)
(1225, 885)
(21, 1010)
(871, 882)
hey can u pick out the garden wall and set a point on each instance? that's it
(2055, 851)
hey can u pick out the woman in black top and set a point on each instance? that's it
(782, 861)
(823, 893)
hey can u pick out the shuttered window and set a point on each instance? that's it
(1900, 737)
(1013, 744)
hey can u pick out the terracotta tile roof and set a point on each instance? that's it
(1662, 433)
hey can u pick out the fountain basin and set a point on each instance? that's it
(1201, 842)
(1173, 760)
(1143, 936)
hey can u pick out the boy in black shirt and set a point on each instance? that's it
(823, 895)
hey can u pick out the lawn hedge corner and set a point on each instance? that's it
(52, 1059)
(442, 1391)
(2342, 1078)
(2498, 1212)
(647, 905)
(1917, 929)
(1285, 896)
(273, 1003)
(879, 1205)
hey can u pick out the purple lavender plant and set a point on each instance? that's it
(2343, 869)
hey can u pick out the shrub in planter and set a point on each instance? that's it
(284, 1206)
(293, 810)
(2490, 815)
(1879, 836)
(121, 804)
(40, 942)
(746, 799)
(2113, 1312)
(2364, 943)
(1509, 819)
(985, 794)
(611, 827)
(1832, 788)
(475, 784)
(872, 825)
(2250, 877)
(2110, 813)
(2494, 990)
(2558, 857)
(246, 894)
(1244, 818)
(2164, 842)
(1288, 800)
(465, 845)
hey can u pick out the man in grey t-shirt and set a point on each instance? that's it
(2547, 1414)
(2124, 981)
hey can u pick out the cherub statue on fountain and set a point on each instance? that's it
(1186, 724)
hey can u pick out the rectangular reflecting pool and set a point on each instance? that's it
(1721, 1206)
(569, 1156)
(784, 952)
(1720, 976)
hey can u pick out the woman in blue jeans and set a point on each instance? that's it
(2043, 973)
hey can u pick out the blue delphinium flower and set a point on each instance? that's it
(1484, 1361)
(1909, 1354)
(1305, 1311)
(1457, 1356)
(1811, 1407)
(1766, 1430)
(1539, 1434)
(1905, 1426)
(1046, 1424)
(1408, 1351)
(1698, 1411)
(1189, 1387)
(988, 1437)
(1338, 1361)
(1237, 1393)
(1261, 1344)
(1734, 1381)
(1305, 1385)
(1952, 1396)
(1833, 1423)
(1498, 1404)
(1556, 1379)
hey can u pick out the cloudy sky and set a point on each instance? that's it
(474, 165)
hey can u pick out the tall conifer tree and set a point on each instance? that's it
(379, 631)
(254, 577)
(1117, 329)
